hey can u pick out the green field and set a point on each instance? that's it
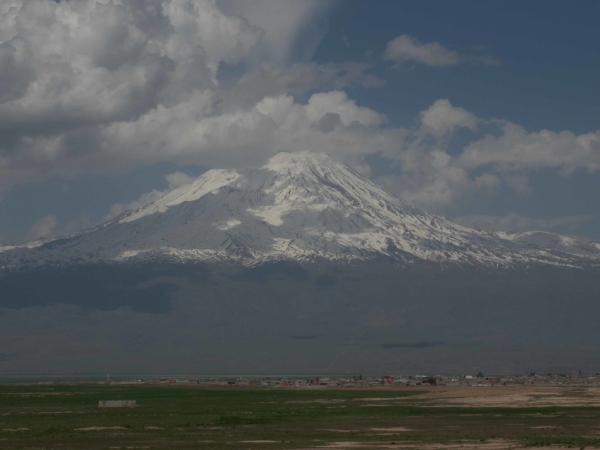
(44, 417)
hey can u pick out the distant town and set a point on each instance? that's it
(364, 382)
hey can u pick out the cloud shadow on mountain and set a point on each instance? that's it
(267, 271)
(326, 281)
(103, 288)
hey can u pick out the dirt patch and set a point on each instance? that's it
(99, 428)
(151, 427)
(496, 444)
(493, 444)
(512, 397)
(130, 447)
(311, 401)
(16, 429)
(392, 429)
(339, 431)
(357, 445)
(35, 394)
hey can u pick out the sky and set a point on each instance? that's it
(484, 112)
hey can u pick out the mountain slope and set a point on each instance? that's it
(298, 206)
(555, 242)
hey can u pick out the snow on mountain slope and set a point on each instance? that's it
(555, 242)
(30, 244)
(298, 206)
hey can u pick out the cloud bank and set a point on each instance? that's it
(92, 86)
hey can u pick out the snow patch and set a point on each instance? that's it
(223, 226)
(209, 183)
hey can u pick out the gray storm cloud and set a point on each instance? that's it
(89, 86)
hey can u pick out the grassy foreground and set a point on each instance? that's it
(175, 417)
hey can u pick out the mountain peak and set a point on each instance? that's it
(287, 160)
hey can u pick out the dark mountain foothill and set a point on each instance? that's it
(368, 316)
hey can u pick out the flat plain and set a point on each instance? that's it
(192, 417)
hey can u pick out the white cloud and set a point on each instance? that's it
(436, 186)
(271, 79)
(43, 228)
(178, 179)
(407, 49)
(49, 227)
(516, 150)
(83, 220)
(442, 118)
(284, 21)
(242, 137)
(517, 222)
(430, 177)
(119, 208)
(175, 180)
(438, 181)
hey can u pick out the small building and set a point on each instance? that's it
(117, 404)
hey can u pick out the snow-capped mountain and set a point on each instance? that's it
(299, 206)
